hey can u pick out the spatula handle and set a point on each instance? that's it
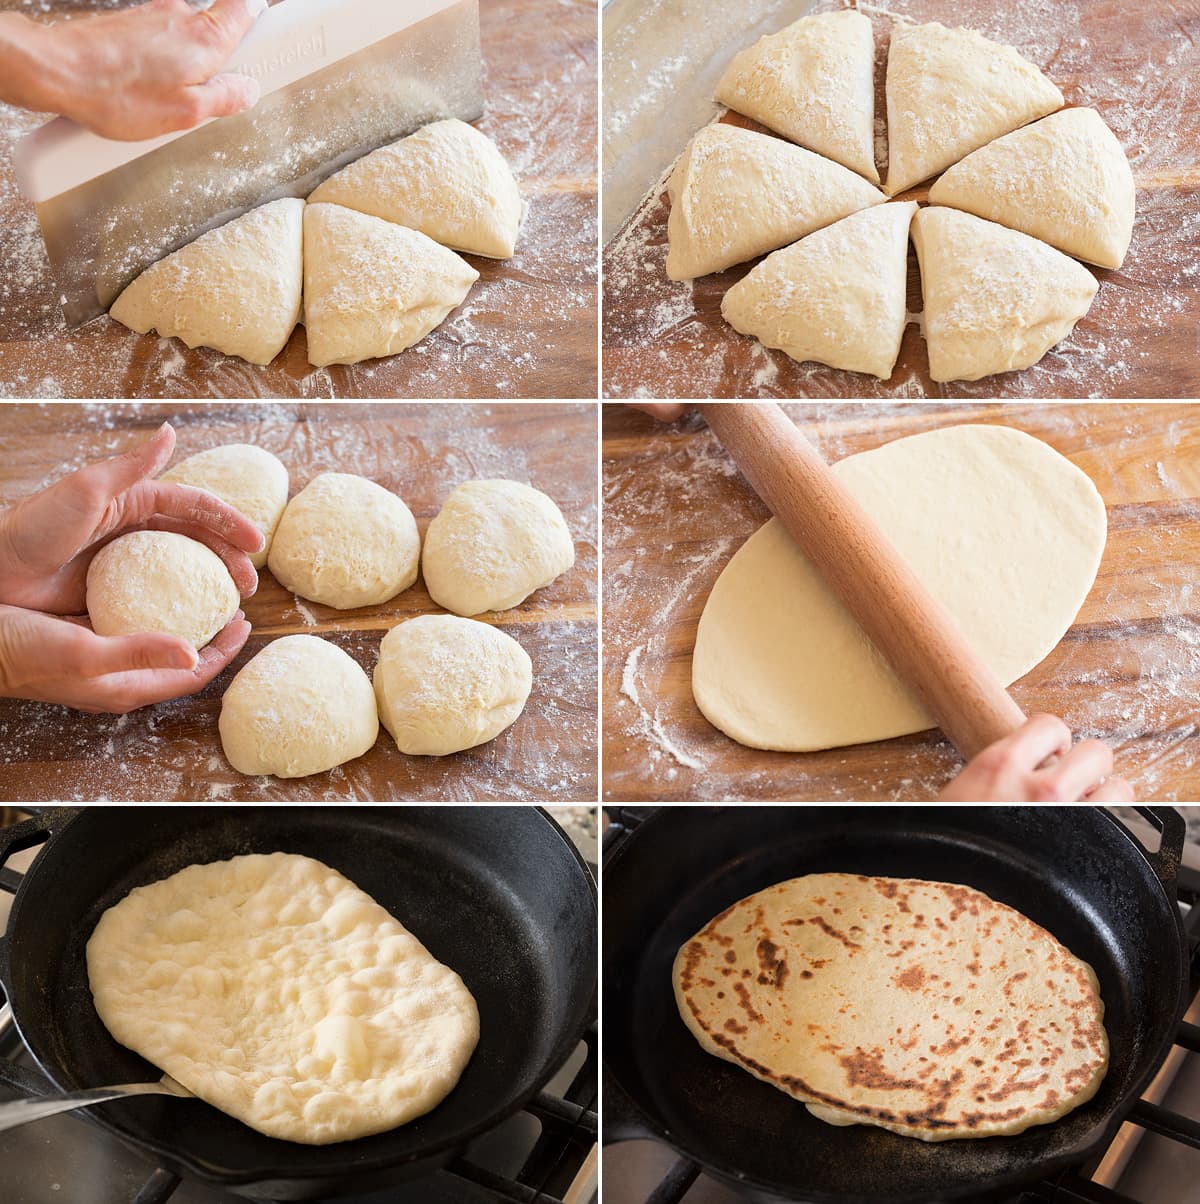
(912, 630)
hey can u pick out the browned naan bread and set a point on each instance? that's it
(922, 1007)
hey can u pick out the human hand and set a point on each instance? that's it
(47, 541)
(62, 660)
(664, 411)
(136, 73)
(1037, 764)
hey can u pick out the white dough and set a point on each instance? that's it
(444, 684)
(447, 180)
(836, 296)
(372, 288)
(812, 82)
(345, 541)
(299, 706)
(736, 194)
(1006, 533)
(236, 288)
(245, 477)
(492, 544)
(995, 300)
(950, 91)
(1064, 179)
(273, 988)
(163, 582)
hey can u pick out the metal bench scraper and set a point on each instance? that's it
(339, 78)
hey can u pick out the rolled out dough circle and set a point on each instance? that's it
(1003, 530)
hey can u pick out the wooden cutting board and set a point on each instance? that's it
(173, 752)
(527, 329)
(1137, 65)
(1128, 671)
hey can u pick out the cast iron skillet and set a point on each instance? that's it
(497, 893)
(1075, 870)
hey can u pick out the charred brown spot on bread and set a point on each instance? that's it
(745, 1003)
(732, 1026)
(774, 966)
(911, 979)
(829, 930)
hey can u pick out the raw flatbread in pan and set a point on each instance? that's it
(276, 990)
(1006, 533)
(924, 1008)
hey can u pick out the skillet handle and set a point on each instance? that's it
(1172, 830)
(25, 835)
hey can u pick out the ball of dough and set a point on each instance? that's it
(492, 544)
(300, 706)
(444, 684)
(245, 477)
(345, 541)
(160, 581)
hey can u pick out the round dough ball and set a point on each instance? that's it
(492, 544)
(243, 476)
(300, 706)
(444, 684)
(160, 581)
(345, 541)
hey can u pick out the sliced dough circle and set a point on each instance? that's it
(1005, 532)
(447, 180)
(812, 82)
(1064, 179)
(925, 1008)
(995, 299)
(950, 91)
(235, 289)
(736, 194)
(836, 296)
(373, 288)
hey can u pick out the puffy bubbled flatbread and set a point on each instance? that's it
(273, 988)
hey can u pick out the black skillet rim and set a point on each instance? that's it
(203, 1172)
(1103, 1132)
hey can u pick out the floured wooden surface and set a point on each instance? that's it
(527, 328)
(676, 509)
(1137, 65)
(173, 752)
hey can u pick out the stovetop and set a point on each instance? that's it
(1155, 1158)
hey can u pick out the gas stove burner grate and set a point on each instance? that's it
(1072, 1186)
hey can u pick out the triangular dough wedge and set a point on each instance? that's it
(1064, 179)
(235, 289)
(813, 82)
(372, 288)
(447, 180)
(949, 91)
(736, 194)
(995, 299)
(837, 296)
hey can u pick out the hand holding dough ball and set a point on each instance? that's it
(445, 684)
(372, 288)
(345, 541)
(300, 706)
(447, 180)
(492, 544)
(236, 288)
(247, 478)
(160, 581)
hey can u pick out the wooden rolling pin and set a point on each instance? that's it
(916, 635)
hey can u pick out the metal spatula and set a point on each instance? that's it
(24, 1111)
(339, 78)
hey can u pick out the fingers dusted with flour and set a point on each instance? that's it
(49, 659)
(133, 74)
(1037, 764)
